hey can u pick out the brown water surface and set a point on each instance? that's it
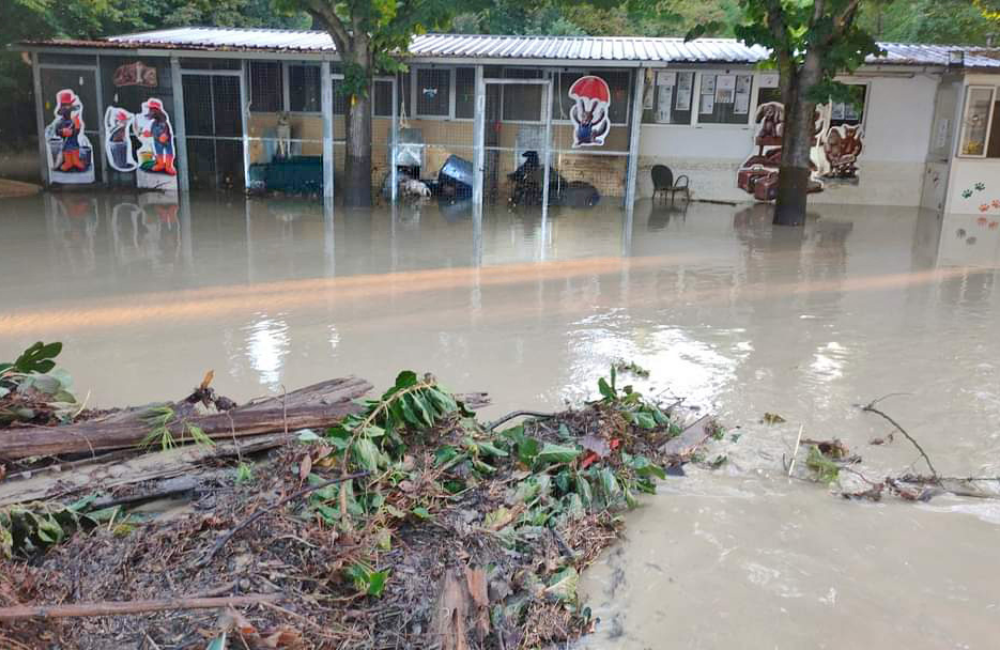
(725, 310)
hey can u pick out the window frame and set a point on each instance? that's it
(695, 100)
(288, 87)
(964, 126)
(451, 93)
(696, 103)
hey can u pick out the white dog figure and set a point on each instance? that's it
(284, 130)
(414, 188)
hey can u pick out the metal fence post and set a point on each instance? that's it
(326, 98)
(394, 149)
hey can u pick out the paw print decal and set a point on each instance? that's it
(980, 187)
(966, 194)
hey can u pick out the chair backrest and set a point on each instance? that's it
(662, 177)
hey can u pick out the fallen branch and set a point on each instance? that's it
(260, 513)
(316, 406)
(870, 408)
(517, 414)
(127, 608)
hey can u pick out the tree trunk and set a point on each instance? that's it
(357, 184)
(799, 130)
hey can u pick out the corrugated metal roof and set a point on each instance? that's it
(626, 49)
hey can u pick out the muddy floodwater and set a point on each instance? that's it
(724, 310)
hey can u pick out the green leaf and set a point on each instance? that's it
(490, 449)
(609, 483)
(606, 390)
(218, 643)
(563, 585)
(584, 490)
(527, 450)
(406, 379)
(444, 454)
(645, 420)
(38, 358)
(308, 435)
(366, 454)
(552, 453)
(645, 467)
(421, 512)
(376, 583)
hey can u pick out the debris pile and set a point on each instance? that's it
(399, 521)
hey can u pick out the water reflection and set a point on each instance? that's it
(722, 307)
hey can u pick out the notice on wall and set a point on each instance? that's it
(769, 80)
(684, 86)
(708, 84)
(666, 78)
(707, 104)
(664, 98)
(725, 89)
(742, 105)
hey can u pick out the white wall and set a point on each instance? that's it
(898, 118)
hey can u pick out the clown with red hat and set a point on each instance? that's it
(68, 127)
(162, 135)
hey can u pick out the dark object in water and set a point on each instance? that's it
(528, 180)
(455, 178)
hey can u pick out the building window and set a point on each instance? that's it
(851, 113)
(522, 103)
(433, 92)
(668, 99)
(979, 104)
(724, 98)
(304, 89)
(465, 93)
(267, 94)
(382, 98)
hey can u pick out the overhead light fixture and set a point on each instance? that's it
(956, 58)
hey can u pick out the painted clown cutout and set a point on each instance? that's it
(592, 99)
(70, 156)
(156, 158)
(118, 127)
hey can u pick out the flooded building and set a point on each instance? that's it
(584, 118)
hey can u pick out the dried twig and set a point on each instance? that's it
(516, 414)
(263, 511)
(20, 612)
(798, 442)
(870, 408)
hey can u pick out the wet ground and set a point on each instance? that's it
(722, 308)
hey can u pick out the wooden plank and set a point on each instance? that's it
(315, 406)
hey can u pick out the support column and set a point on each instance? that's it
(633, 141)
(326, 101)
(394, 135)
(43, 151)
(547, 151)
(99, 90)
(180, 131)
(479, 139)
(245, 119)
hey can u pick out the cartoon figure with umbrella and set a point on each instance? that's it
(589, 114)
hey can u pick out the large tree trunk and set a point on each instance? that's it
(800, 125)
(357, 184)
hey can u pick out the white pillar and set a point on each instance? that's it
(43, 146)
(394, 135)
(633, 142)
(326, 100)
(245, 119)
(479, 139)
(180, 130)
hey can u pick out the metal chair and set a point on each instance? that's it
(663, 181)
